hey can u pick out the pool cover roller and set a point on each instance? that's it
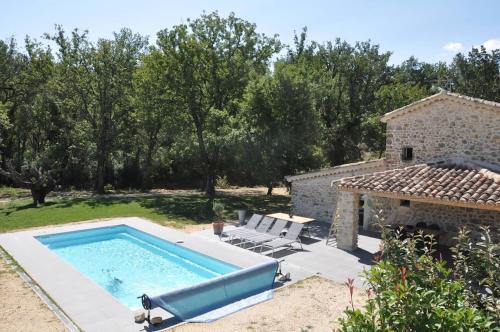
(189, 302)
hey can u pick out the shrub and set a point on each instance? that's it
(477, 266)
(222, 182)
(108, 187)
(218, 209)
(412, 290)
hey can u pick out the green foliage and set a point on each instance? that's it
(477, 266)
(204, 101)
(108, 188)
(279, 125)
(38, 179)
(346, 80)
(211, 59)
(222, 182)
(413, 291)
(218, 209)
(477, 74)
(96, 83)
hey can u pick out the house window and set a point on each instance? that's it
(407, 154)
(404, 202)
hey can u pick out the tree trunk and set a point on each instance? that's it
(41, 196)
(270, 188)
(146, 178)
(35, 195)
(146, 175)
(101, 158)
(337, 152)
(100, 176)
(38, 195)
(210, 182)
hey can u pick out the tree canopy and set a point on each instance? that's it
(213, 98)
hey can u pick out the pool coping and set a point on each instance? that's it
(91, 307)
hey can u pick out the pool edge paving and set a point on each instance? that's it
(91, 307)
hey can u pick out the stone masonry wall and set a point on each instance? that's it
(347, 224)
(449, 218)
(445, 129)
(314, 196)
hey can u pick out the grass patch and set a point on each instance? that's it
(177, 211)
(9, 192)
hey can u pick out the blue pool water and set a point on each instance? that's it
(127, 262)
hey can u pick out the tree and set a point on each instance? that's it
(478, 74)
(99, 79)
(424, 75)
(22, 80)
(347, 79)
(213, 58)
(156, 106)
(38, 179)
(279, 125)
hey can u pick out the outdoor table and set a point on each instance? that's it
(292, 218)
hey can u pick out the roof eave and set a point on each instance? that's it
(449, 202)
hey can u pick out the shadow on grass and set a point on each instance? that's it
(182, 209)
(10, 210)
(199, 208)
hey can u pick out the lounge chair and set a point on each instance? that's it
(292, 236)
(250, 225)
(245, 233)
(273, 233)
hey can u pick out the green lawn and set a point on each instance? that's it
(176, 210)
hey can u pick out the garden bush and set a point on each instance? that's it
(411, 288)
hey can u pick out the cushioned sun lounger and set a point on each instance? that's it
(292, 236)
(273, 233)
(262, 228)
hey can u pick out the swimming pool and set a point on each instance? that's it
(128, 262)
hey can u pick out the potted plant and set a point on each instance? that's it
(218, 224)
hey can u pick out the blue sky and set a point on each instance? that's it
(431, 30)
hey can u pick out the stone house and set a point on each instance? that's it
(441, 168)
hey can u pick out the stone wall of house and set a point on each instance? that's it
(449, 218)
(314, 196)
(445, 128)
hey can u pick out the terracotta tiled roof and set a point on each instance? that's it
(463, 184)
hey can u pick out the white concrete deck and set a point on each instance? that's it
(91, 307)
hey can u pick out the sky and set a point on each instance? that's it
(432, 31)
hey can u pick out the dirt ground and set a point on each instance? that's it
(314, 304)
(20, 308)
